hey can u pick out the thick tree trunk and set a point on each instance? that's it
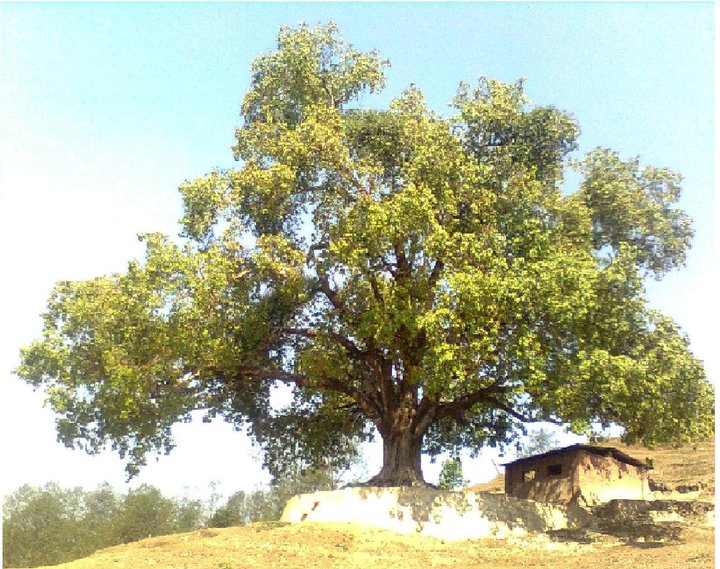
(401, 461)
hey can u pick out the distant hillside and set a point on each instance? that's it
(674, 467)
(496, 485)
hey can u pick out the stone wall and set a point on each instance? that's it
(435, 513)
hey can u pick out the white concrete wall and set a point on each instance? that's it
(435, 513)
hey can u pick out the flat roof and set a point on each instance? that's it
(611, 452)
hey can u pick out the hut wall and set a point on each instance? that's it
(549, 479)
(601, 479)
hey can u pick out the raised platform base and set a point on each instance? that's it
(435, 513)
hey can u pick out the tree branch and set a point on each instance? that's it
(330, 293)
(435, 274)
(315, 247)
(524, 418)
(327, 383)
(467, 401)
(346, 343)
(375, 288)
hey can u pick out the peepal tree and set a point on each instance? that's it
(417, 276)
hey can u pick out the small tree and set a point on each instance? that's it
(538, 442)
(234, 512)
(419, 276)
(267, 505)
(189, 514)
(451, 474)
(102, 511)
(145, 512)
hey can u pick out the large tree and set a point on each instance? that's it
(420, 276)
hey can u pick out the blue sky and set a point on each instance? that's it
(106, 108)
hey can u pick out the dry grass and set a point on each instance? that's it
(352, 546)
(675, 466)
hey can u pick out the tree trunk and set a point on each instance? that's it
(401, 461)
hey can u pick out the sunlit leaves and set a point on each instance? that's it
(387, 263)
(203, 201)
(634, 206)
(311, 65)
(500, 128)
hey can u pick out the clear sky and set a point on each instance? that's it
(106, 108)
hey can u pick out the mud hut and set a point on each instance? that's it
(588, 475)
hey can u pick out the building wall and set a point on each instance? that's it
(544, 485)
(592, 478)
(602, 479)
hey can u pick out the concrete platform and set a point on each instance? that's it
(434, 513)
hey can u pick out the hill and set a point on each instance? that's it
(284, 546)
(677, 467)
(337, 545)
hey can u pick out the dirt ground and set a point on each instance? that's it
(286, 546)
(352, 546)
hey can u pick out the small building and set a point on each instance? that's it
(588, 475)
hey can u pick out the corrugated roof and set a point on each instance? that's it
(601, 451)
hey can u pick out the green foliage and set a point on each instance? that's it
(420, 276)
(632, 206)
(538, 442)
(146, 513)
(451, 474)
(50, 525)
(241, 508)
(102, 509)
(189, 514)
(42, 526)
(264, 505)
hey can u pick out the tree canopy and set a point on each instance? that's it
(418, 276)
